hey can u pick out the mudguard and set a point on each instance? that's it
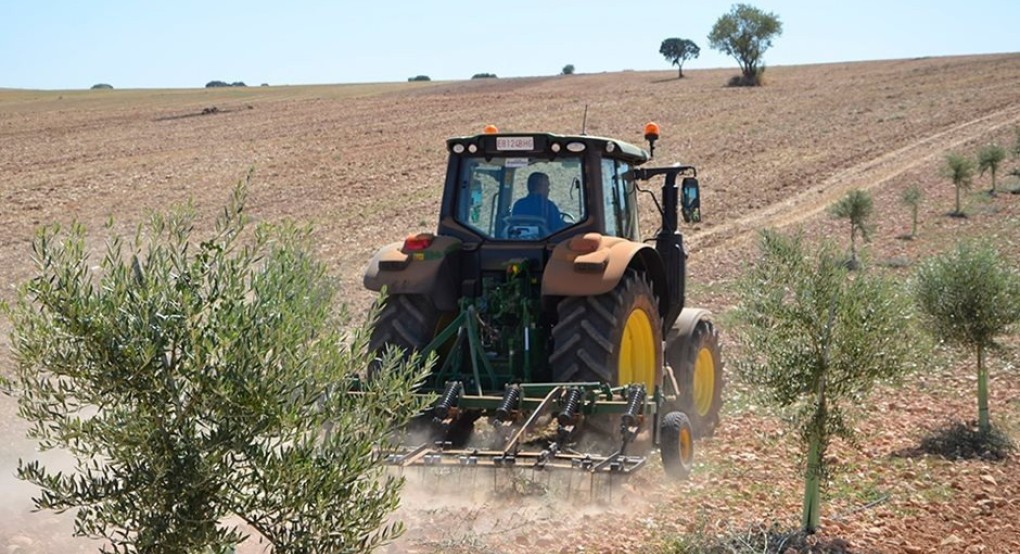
(593, 264)
(430, 271)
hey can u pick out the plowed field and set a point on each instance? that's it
(365, 163)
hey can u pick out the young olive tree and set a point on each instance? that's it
(192, 381)
(856, 207)
(745, 33)
(912, 198)
(969, 297)
(960, 170)
(817, 340)
(989, 159)
(1016, 144)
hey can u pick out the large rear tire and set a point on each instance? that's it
(614, 338)
(697, 366)
(406, 321)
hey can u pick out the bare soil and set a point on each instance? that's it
(365, 163)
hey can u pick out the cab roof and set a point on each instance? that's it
(543, 143)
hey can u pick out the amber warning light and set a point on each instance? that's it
(490, 130)
(651, 135)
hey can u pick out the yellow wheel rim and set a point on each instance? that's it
(638, 351)
(686, 444)
(704, 382)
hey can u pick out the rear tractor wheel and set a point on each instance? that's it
(614, 338)
(409, 322)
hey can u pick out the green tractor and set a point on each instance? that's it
(548, 314)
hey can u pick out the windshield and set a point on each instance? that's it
(520, 198)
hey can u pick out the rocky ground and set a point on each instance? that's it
(364, 164)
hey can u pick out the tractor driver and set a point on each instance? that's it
(537, 203)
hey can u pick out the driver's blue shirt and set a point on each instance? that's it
(536, 205)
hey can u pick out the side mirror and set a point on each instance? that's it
(690, 200)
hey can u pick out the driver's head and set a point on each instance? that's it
(538, 183)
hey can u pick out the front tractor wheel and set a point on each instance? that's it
(614, 338)
(697, 365)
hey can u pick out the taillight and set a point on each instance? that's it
(419, 242)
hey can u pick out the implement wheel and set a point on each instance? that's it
(614, 338)
(676, 445)
(697, 365)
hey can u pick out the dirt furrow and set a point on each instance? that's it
(865, 175)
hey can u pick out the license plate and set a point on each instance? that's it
(515, 143)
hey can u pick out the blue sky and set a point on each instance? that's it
(62, 44)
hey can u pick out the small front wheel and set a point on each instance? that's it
(676, 445)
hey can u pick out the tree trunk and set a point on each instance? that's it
(958, 212)
(993, 180)
(680, 72)
(983, 423)
(853, 246)
(812, 481)
(913, 224)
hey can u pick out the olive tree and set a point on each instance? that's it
(912, 198)
(677, 51)
(745, 33)
(196, 380)
(855, 207)
(960, 170)
(989, 159)
(969, 297)
(816, 340)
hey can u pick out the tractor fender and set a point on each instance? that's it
(677, 338)
(592, 264)
(688, 320)
(430, 272)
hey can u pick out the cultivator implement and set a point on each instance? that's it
(532, 426)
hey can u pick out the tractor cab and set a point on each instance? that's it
(539, 187)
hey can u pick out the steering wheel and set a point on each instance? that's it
(521, 220)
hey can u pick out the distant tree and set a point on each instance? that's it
(745, 33)
(677, 51)
(194, 380)
(1015, 151)
(960, 170)
(989, 159)
(216, 84)
(264, 85)
(102, 86)
(238, 84)
(419, 78)
(484, 76)
(855, 207)
(815, 342)
(969, 297)
(568, 69)
(912, 198)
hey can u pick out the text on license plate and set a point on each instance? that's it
(515, 143)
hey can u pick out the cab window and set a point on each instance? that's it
(520, 198)
(619, 203)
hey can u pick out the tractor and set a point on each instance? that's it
(547, 315)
